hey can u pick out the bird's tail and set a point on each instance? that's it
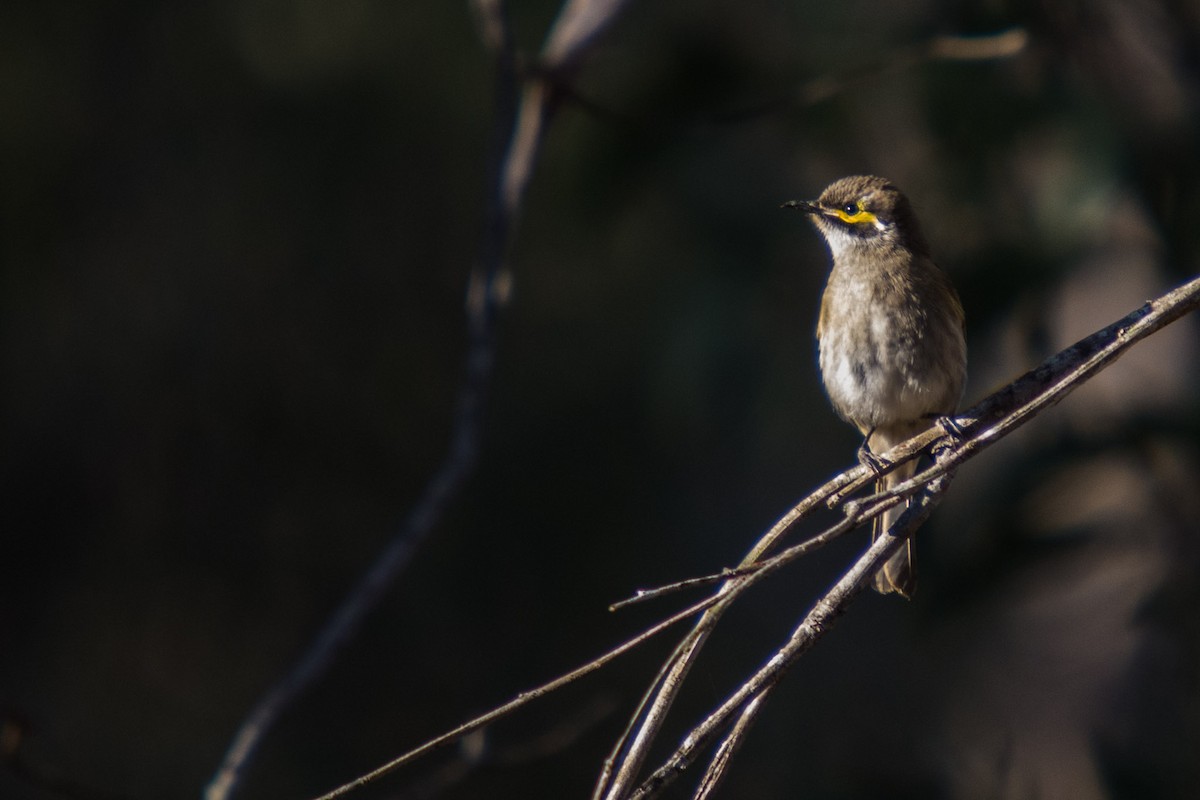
(899, 574)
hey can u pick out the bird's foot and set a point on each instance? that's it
(949, 426)
(872, 461)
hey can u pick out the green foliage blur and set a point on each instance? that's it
(234, 244)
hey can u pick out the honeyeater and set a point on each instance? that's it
(890, 332)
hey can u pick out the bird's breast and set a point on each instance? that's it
(886, 355)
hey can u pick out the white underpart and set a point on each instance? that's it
(840, 241)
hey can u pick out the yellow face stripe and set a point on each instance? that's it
(859, 217)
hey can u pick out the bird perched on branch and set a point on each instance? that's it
(890, 333)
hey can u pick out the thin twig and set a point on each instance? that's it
(979, 48)
(1004, 44)
(622, 764)
(728, 748)
(859, 510)
(760, 571)
(575, 30)
(476, 750)
(645, 595)
(524, 698)
(816, 623)
(745, 578)
(628, 753)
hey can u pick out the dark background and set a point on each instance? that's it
(235, 242)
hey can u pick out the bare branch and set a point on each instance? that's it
(451, 736)
(978, 48)
(982, 425)
(644, 595)
(576, 29)
(1004, 44)
(728, 748)
(518, 130)
(494, 30)
(480, 749)
(810, 92)
(749, 577)
(816, 623)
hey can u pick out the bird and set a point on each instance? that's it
(891, 336)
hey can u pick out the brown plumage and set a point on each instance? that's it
(890, 332)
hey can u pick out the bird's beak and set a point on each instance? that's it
(803, 205)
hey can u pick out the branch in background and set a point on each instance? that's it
(1005, 44)
(517, 134)
(978, 48)
(578, 26)
(478, 750)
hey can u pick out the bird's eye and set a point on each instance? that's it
(853, 213)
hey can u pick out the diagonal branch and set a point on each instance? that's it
(524, 698)
(982, 425)
(747, 701)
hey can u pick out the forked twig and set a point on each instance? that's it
(747, 701)
(728, 748)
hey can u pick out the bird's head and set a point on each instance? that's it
(863, 213)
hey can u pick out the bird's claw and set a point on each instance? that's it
(954, 432)
(950, 427)
(876, 463)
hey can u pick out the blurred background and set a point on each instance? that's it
(235, 241)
